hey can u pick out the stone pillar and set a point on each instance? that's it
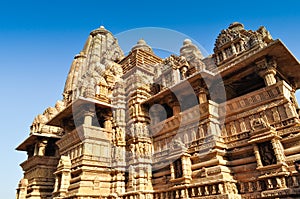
(269, 77)
(279, 153)
(186, 166)
(172, 170)
(36, 149)
(224, 55)
(242, 45)
(108, 122)
(267, 70)
(22, 189)
(176, 108)
(42, 147)
(257, 156)
(202, 96)
(233, 49)
(218, 58)
(88, 118)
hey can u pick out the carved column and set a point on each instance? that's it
(42, 147)
(224, 54)
(257, 155)
(108, 122)
(186, 166)
(140, 141)
(233, 49)
(242, 45)
(172, 170)
(218, 58)
(88, 117)
(267, 70)
(269, 76)
(202, 96)
(175, 108)
(279, 153)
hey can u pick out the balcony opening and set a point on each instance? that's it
(238, 86)
(178, 168)
(188, 101)
(50, 148)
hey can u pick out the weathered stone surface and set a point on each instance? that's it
(224, 126)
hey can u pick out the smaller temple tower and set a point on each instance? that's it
(42, 156)
(138, 73)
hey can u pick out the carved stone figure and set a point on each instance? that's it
(250, 79)
(276, 116)
(232, 128)
(132, 149)
(267, 154)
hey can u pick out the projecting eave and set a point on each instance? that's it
(33, 138)
(74, 108)
(287, 64)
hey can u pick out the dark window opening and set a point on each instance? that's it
(50, 148)
(30, 151)
(243, 85)
(188, 101)
(178, 168)
(168, 110)
(98, 121)
(266, 152)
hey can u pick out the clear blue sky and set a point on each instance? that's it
(38, 40)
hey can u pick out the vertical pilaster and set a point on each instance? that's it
(278, 150)
(257, 155)
(22, 189)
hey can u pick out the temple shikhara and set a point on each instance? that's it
(139, 126)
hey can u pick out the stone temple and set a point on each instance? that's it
(187, 126)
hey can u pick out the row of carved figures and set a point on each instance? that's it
(141, 149)
(41, 119)
(247, 123)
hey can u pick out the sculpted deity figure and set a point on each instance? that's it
(141, 148)
(232, 128)
(242, 124)
(132, 149)
(59, 106)
(276, 115)
(119, 134)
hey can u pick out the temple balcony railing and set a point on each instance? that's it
(233, 118)
(192, 127)
(272, 103)
(39, 161)
(256, 98)
(186, 119)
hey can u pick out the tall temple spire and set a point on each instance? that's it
(100, 51)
